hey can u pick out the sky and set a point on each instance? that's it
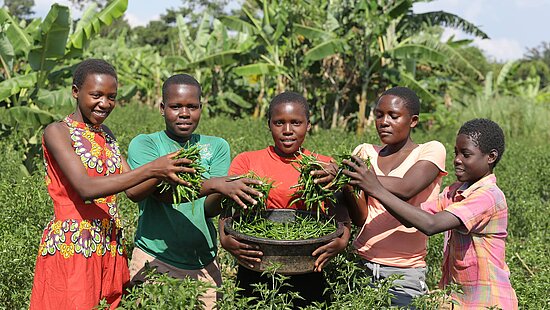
(512, 25)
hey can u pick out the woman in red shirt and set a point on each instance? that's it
(288, 120)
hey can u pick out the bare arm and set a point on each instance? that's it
(58, 143)
(407, 214)
(236, 189)
(326, 252)
(357, 206)
(415, 180)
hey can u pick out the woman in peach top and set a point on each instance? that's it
(412, 172)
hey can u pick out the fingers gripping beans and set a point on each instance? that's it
(182, 193)
(263, 188)
(314, 194)
(341, 179)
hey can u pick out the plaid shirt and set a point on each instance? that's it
(474, 253)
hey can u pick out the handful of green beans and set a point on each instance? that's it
(311, 193)
(340, 180)
(181, 193)
(263, 188)
(302, 228)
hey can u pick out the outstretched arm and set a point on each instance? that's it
(58, 143)
(233, 188)
(407, 214)
(415, 180)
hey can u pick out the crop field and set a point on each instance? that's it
(523, 174)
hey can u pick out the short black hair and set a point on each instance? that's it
(92, 66)
(287, 97)
(486, 134)
(180, 79)
(409, 97)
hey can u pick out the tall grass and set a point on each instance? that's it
(518, 117)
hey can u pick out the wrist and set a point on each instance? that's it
(211, 186)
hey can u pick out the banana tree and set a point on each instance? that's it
(209, 55)
(31, 55)
(384, 46)
(266, 61)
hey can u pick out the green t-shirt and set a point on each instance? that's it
(179, 235)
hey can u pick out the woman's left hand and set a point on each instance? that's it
(325, 175)
(326, 252)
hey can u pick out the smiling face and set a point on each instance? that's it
(289, 126)
(95, 98)
(471, 164)
(393, 120)
(181, 109)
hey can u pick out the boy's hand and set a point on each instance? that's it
(325, 175)
(237, 189)
(167, 167)
(245, 253)
(362, 177)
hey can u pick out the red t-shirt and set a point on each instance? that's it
(281, 170)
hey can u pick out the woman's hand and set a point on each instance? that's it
(325, 175)
(167, 167)
(245, 253)
(363, 177)
(326, 252)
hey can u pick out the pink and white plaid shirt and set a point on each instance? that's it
(474, 253)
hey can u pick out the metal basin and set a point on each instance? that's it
(292, 256)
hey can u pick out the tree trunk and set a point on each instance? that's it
(362, 109)
(259, 99)
(334, 122)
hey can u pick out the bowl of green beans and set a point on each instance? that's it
(287, 237)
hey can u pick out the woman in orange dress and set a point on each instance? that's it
(81, 258)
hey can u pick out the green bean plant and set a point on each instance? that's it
(340, 180)
(314, 194)
(161, 291)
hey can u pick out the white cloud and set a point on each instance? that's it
(452, 32)
(501, 49)
(530, 3)
(42, 7)
(135, 20)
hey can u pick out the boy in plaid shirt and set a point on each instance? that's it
(475, 217)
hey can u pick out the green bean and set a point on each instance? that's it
(312, 194)
(181, 193)
(263, 188)
(341, 179)
(302, 228)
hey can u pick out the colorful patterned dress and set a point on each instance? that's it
(81, 258)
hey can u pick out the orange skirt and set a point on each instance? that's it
(77, 272)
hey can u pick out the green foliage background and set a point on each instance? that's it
(523, 174)
(339, 54)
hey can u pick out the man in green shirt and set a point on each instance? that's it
(180, 239)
